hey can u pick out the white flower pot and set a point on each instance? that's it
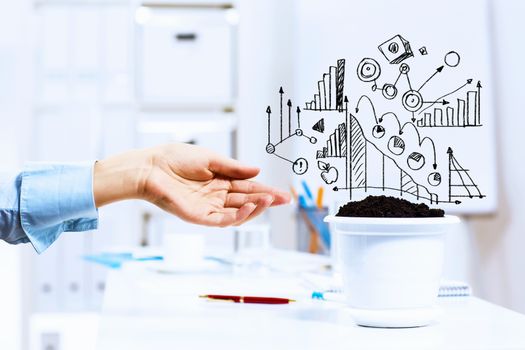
(391, 267)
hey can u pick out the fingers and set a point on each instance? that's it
(237, 200)
(250, 187)
(232, 168)
(263, 203)
(233, 217)
(229, 216)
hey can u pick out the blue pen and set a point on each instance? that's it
(307, 190)
(302, 201)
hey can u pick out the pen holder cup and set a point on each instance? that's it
(391, 267)
(313, 234)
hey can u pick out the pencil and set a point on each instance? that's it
(294, 193)
(320, 193)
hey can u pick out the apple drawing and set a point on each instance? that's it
(329, 174)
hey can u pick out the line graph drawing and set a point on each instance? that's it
(380, 152)
(329, 95)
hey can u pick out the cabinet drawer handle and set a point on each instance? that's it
(186, 36)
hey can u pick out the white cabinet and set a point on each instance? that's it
(185, 57)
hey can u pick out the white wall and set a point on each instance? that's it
(499, 241)
(15, 113)
(265, 62)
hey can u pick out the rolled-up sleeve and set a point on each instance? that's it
(45, 200)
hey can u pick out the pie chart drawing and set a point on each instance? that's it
(396, 145)
(434, 179)
(378, 131)
(416, 160)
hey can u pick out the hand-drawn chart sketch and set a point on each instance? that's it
(365, 149)
(416, 86)
(329, 96)
(299, 165)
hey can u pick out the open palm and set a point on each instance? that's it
(204, 188)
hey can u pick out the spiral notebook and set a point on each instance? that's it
(448, 288)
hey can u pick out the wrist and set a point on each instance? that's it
(120, 177)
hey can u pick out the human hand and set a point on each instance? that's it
(191, 182)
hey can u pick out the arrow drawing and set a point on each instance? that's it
(392, 114)
(289, 104)
(281, 92)
(438, 70)
(469, 81)
(359, 102)
(269, 112)
(298, 110)
(478, 103)
(442, 102)
(434, 165)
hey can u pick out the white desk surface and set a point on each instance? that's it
(148, 310)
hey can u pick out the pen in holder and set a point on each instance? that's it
(313, 234)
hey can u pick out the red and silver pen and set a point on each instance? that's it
(247, 299)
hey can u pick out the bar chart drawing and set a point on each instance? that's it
(465, 113)
(336, 144)
(329, 96)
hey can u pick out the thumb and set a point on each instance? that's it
(232, 168)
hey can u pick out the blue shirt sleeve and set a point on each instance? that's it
(44, 200)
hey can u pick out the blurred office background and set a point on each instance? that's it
(84, 79)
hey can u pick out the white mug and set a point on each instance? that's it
(252, 237)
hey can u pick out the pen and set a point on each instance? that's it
(302, 202)
(307, 190)
(247, 299)
(320, 193)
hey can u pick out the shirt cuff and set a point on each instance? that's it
(56, 198)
